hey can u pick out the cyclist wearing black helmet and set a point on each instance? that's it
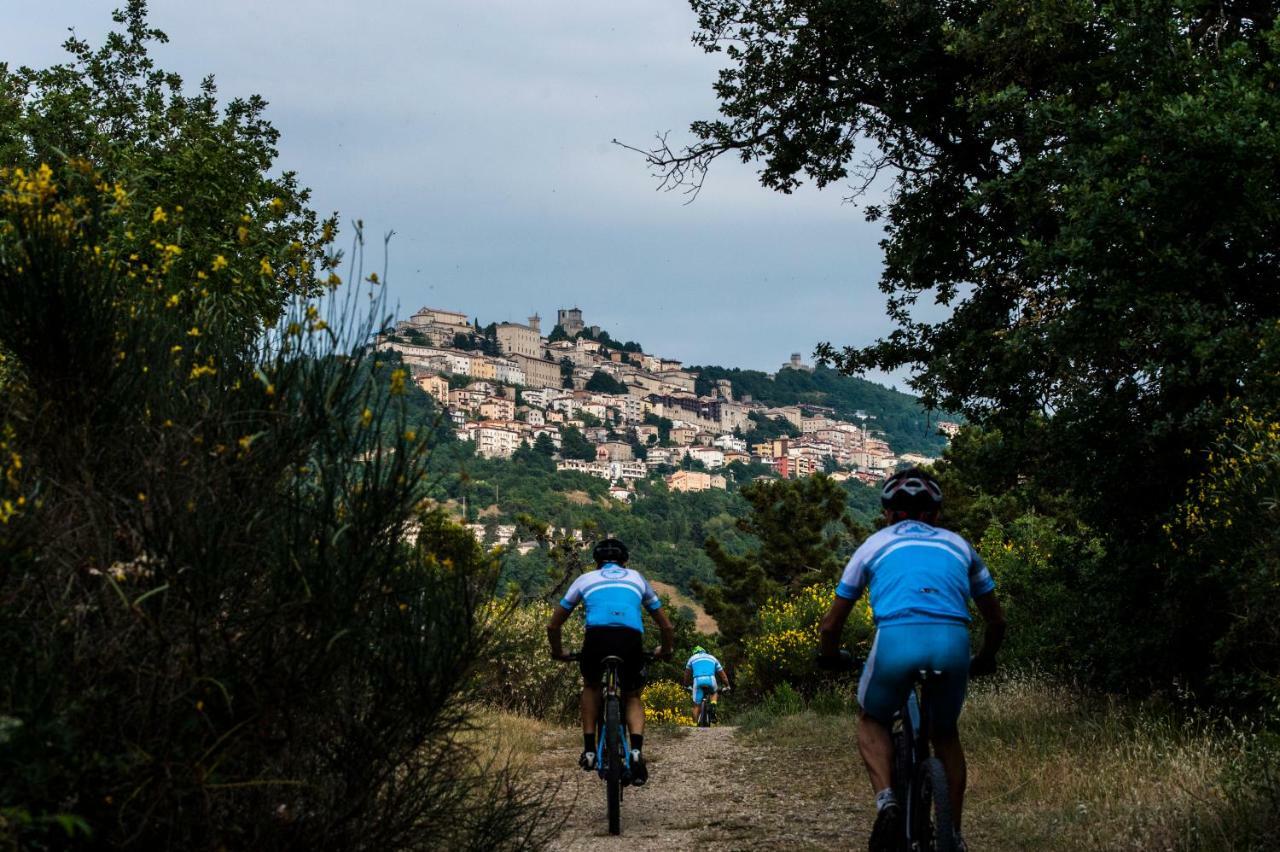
(613, 597)
(920, 578)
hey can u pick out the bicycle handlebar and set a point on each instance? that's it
(575, 656)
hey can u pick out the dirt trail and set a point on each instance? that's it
(708, 790)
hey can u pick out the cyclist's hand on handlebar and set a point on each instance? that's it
(841, 662)
(980, 666)
(566, 657)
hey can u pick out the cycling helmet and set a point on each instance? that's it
(698, 649)
(610, 550)
(912, 492)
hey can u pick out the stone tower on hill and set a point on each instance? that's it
(570, 319)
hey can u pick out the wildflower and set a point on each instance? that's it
(397, 382)
(219, 262)
(194, 331)
(277, 204)
(158, 216)
(366, 417)
(264, 267)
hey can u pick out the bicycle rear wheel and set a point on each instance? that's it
(704, 713)
(613, 771)
(932, 828)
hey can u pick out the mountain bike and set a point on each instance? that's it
(919, 779)
(613, 740)
(707, 709)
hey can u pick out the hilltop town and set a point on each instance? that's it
(611, 410)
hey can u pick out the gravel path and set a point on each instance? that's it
(709, 789)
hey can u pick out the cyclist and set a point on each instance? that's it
(613, 597)
(700, 674)
(920, 578)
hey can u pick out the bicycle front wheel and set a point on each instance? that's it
(933, 828)
(613, 771)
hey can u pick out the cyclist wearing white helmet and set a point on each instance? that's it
(704, 675)
(920, 578)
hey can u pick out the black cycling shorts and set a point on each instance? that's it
(601, 642)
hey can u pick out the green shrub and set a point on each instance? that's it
(783, 649)
(215, 632)
(523, 678)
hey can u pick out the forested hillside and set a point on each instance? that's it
(907, 425)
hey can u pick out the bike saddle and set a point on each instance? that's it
(611, 659)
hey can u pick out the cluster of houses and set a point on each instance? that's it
(524, 388)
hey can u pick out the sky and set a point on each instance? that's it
(480, 132)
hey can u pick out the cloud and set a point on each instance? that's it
(480, 132)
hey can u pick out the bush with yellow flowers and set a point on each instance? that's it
(667, 703)
(783, 648)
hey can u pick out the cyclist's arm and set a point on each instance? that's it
(724, 678)
(832, 626)
(558, 617)
(993, 618)
(668, 631)
(688, 676)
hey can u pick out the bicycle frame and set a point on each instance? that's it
(611, 687)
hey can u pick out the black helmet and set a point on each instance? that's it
(610, 550)
(912, 491)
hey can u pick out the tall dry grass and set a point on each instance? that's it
(1051, 768)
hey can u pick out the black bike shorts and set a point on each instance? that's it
(601, 642)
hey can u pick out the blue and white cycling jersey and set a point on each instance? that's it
(703, 669)
(703, 665)
(917, 573)
(612, 597)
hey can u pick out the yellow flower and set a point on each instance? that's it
(366, 417)
(264, 267)
(158, 215)
(219, 262)
(277, 204)
(397, 382)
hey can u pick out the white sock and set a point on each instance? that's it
(885, 798)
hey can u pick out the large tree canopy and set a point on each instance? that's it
(1091, 188)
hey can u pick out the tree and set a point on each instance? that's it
(183, 165)
(557, 334)
(664, 425)
(602, 382)
(799, 529)
(543, 445)
(574, 446)
(1091, 190)
(566, 373)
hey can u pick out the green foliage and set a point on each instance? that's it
(801, 528)
(574, 446)
(523, 678)
(602, 382)
(189, 167)
(782, 646)
(1090, 190)
(225, 636)
(664, 425)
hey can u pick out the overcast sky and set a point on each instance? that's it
(479, 130)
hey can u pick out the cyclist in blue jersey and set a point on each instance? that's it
(614, 598)
(701, 673)
(920, 578)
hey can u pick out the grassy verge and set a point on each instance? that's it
(1051, 769)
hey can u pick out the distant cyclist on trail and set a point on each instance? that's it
(700, 674)
(920, 578)
(613, 597)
